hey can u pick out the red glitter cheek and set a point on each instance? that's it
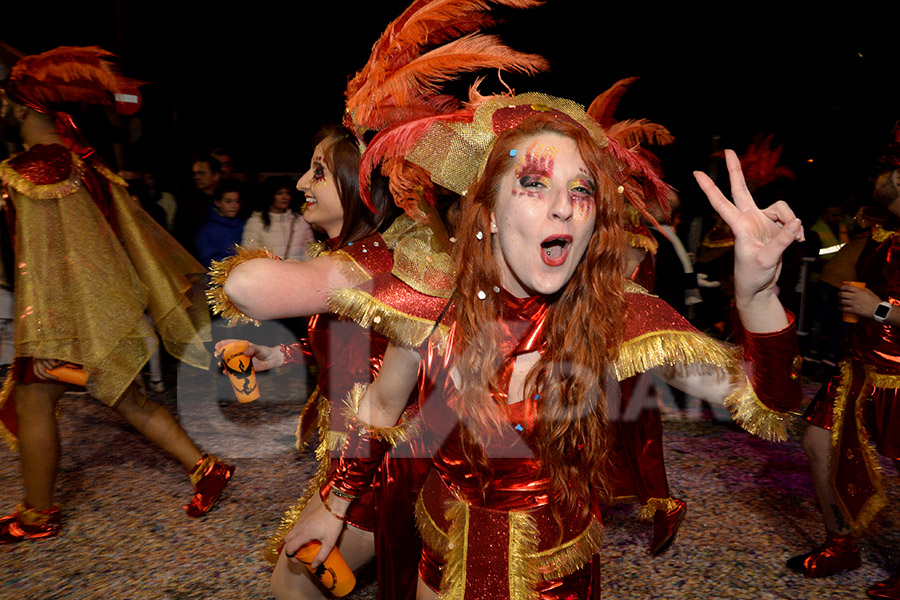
(582, 208)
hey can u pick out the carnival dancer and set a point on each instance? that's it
(513, 397)
(858, 408)
(399, 84)
(345, 352)
(85, 250)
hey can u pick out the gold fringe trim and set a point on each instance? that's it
(9, 385)
(315, 249)
(104, 170)
(399, 327)
(523, 544)
(755, 417)
(402, 431)
(642, 242)
(569, 557)
(552, 563)
(293, 513)
(649, 509)
(878, 500)
(300, 444)
(48, 191)
(882, 235)
(219, 271)
(630, 287)
(432, 536)
(670, 347)
(200, 470)
(324, 458)
(453, 580)
(880, 380)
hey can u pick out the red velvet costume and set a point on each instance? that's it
(862, 403)
(492, 535)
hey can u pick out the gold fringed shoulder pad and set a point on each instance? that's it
(393, 309)
(219, 271)
(656, 335)
(45, 172)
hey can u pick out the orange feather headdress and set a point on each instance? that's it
(67, 74)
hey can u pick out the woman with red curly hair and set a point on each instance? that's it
(513, 393)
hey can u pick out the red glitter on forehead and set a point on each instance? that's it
(538, 160)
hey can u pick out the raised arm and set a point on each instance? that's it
(761, 236)
(380, 407)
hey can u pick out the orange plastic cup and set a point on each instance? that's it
(240, 371)
(69, 373)
(334, 573)
(851, 317)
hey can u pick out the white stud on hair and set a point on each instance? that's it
(453, 240)
(496, 289)
(481, 295)
(479, 236)
(621, 189)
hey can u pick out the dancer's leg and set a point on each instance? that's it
(158, 426)
(38, 440)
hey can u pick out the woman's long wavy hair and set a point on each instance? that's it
(342, 157)
(583, 330)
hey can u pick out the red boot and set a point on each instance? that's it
(209, 477)
(839, 553)
(30, 524)
(889, 588)
(666, 524)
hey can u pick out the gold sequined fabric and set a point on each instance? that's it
(454, 152)
(81, 290)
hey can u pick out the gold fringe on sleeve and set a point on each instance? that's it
(399, 327)
(402, 431)
(48, 191)
(219, 271)
(754, 416)
(667, 348)
(352, 270)
(5, 434)
(523, 544)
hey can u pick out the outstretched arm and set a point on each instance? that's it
(266, 288)
(761, 236)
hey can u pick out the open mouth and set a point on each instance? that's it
(555, 249)
(310, 199)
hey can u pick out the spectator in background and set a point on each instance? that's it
(277, 226)
(222, 228)
(165, 200)
(194, 208)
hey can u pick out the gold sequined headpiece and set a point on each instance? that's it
(454, 151)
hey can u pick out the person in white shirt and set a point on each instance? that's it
(278, 228)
